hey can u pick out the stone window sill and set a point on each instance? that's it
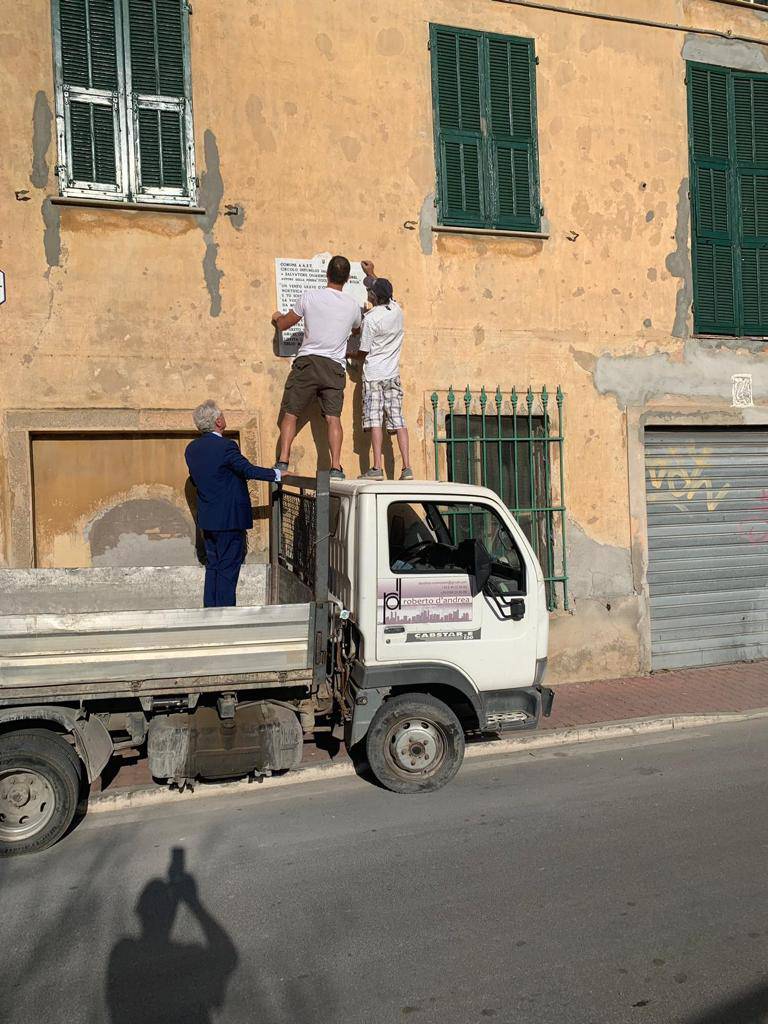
(452, 229)
(106, 204)
(762, 338)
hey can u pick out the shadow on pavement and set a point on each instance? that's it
(151, 978)
(751, 1007)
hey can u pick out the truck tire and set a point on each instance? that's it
(415, 744)
(39, 790)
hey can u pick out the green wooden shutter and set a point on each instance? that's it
(457, 96)
(512, 133)
(89, 72)
(714, 230)
(751, 145)
(156, 31)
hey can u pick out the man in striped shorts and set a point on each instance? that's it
(381, 342)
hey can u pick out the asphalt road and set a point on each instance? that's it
(597, 883)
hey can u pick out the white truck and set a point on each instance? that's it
(408, 615)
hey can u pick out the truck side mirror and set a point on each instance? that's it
(483, 566)
(474, 555)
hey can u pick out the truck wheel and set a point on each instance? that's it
(39, 790)
(415, 744)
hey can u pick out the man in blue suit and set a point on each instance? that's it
(219, 472)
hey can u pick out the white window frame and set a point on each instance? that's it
(126, 105)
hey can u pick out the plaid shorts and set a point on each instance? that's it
(383, 404)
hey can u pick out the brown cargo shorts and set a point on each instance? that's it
(315, 377)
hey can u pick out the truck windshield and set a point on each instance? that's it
(434, 537)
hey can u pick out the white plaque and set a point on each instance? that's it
(2, 287)
(292, 277)
(741, 387)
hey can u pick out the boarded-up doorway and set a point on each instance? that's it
(112, 500)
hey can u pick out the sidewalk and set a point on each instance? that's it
(692, 691)
(722, 688)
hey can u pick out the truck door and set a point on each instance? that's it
(430, 607)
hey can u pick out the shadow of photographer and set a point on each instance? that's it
(152, 978)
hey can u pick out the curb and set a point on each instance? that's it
(148, 796)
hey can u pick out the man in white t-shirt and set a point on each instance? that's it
(319, 370)
(381, 342)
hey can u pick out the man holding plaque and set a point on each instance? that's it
(319, 371)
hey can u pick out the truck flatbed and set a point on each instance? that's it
(108, 654)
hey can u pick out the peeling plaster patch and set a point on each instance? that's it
(210, 196)
(586, 360)
(703, 372)
(597, 570)
(753, 345)
(578, 293)
(324, 45)
(134, 549)
(427, 220)
(390, 42)
(727, 53)
(238, 219)
(290, 108)
(51, 234)
(142, 532)
(213, 276)
(42, 119)
(262, 133)
(678, 263)
(350, 148)
(652, 273)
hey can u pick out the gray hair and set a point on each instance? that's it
(205, 416)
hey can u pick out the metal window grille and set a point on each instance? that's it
(512, 444)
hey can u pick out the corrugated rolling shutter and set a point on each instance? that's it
(707, 500)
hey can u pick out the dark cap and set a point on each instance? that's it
(380, 287)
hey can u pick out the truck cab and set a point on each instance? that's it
(408, 616)
(447, 606)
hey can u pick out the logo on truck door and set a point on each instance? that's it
(447, 634)
(416, 601)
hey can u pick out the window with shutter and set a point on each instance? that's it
(728, 130)
(484, 99)
(124, 104)
(90, 96)
(157, 84)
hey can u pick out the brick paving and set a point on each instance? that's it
(741, 687)
(698, 691)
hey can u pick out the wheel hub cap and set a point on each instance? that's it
(415, 745)
(26, 804)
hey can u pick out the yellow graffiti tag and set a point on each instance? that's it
(678, 475)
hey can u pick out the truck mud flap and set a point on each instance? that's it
(547, 700)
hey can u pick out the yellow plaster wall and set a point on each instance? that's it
(315, 117)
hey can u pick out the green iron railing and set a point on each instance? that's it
(512, 444)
